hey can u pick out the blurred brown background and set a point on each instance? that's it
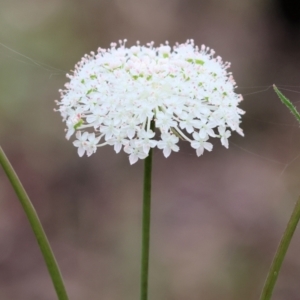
(216, 219)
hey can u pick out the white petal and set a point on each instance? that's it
(200, 151)
(133, 158)
(195, 144)
(130, 133)
(208, 146)
(167, 152)
(70, 133)
(80, 151)
(117, 147)
(175, 148)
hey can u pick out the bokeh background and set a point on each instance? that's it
(216, 220)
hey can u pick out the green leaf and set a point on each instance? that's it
(165, 55)
(287, 103)
(199, 62)
(93, 77)
(91, 90)
(190, 60)
(78, 124)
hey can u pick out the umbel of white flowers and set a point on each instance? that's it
(114, 94)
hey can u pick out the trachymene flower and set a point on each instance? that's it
(114, 94)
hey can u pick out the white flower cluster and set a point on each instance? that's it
(115, 95)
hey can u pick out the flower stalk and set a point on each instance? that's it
(146, 224)
(280, 253)
(36, 226)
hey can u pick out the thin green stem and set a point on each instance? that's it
(36, 227)
(280, 253)
(146, 225)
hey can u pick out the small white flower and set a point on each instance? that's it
(224, 135)
(168, 143)
(206, 129)
(146, 141)
(81, 142)
(200, 144)
(91, 145)
(135, 152)
(118, 142)
(114, 95)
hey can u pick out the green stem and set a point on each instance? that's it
(146, 226)
(280, 254)
(36, 227)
